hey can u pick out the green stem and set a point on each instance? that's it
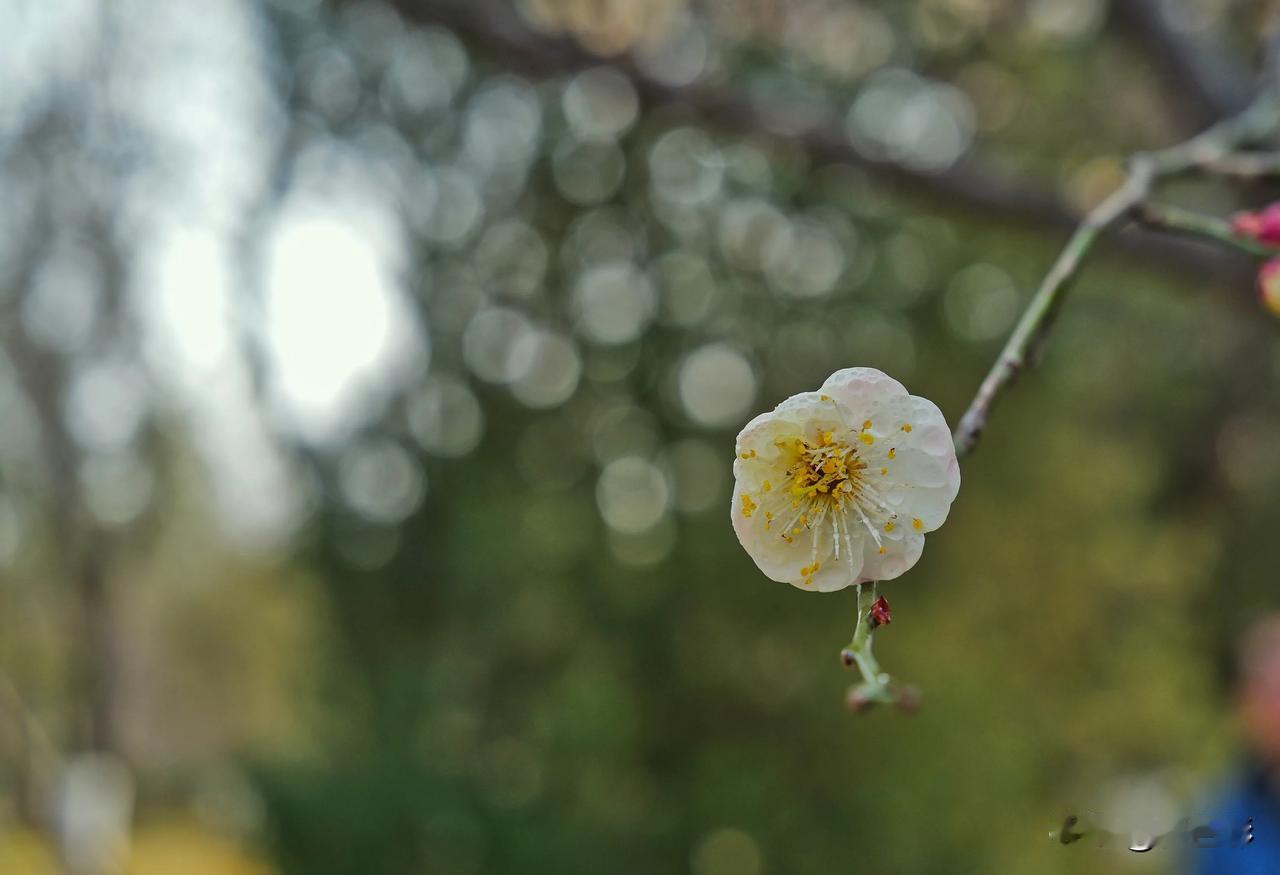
(1178, 220)
(874, 681)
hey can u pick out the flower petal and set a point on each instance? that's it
(792, 561)
(898, 557)
(857, 388)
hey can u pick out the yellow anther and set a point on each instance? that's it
(766, 486)
(893, 451)
(917, 523)
(824, 397)
(796, 530)
(888, 527)
(866, 425)
(882, 551)
(748, 506)
(906, 426)
(884, 471)
(866, 438)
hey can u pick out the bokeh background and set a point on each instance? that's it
(369, 373)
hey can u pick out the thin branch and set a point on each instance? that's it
(1245, 165)
(1260, 119)
(1165, 217)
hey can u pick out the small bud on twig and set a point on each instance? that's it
(880, 614)
(907, 698)
(1262, 225)
(847, 657)
(859, 699)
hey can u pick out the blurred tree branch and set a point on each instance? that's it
(43, 376)
(1212, 80)
(1214, 83)
(496, 27)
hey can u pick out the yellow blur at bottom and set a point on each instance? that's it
(156, 850)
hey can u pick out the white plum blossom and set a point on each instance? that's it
(838, 487)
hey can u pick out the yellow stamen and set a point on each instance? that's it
(907, 427)
(917, 523)
(748, 506)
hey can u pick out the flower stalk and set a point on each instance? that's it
(876, 684)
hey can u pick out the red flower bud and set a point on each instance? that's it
(1269, 285)
(880, 613)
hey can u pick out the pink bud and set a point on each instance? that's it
(1269, 285)
(1262, 225)
(1269, 232)
(1246, 224)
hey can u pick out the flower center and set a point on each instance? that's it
(826, 471)
(827, 488)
